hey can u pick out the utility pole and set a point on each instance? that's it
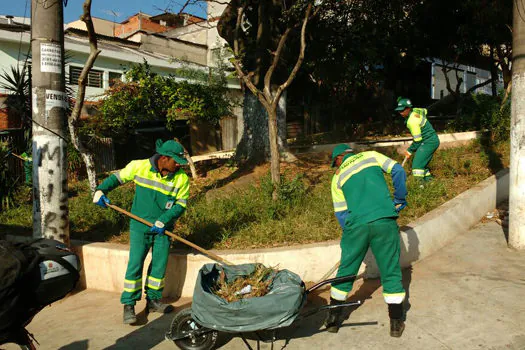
(49, 102)
(517, 132)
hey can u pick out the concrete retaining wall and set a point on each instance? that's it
(402, 142)
(105, 264)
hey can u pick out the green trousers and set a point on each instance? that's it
(423, 156)
(382, 236)
(140, 243)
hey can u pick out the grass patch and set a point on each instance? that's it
(248, 218)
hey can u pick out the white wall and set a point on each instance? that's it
(111, 59)
(471, 76)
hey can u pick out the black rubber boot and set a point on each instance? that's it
(333, 320)
(397, 326)
(129, 314)
(157, 306)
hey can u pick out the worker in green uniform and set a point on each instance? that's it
(161, 194)
(367, 214)
(28, 168)
(426, 141)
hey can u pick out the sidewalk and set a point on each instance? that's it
(469, 295)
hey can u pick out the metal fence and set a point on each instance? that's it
(104, 154)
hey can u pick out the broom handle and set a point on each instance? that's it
(171, 234)
(17, 156)
(330, 272)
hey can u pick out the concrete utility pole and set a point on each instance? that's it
(49, 101)
(517, 132)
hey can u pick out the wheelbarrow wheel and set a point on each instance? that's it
(189, 335)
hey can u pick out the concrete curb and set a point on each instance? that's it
(105, 263)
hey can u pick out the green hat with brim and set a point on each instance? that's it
(338, 150)
(171, 149)
(402, 104)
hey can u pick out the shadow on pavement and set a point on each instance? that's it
(149, 334)
(77, 345)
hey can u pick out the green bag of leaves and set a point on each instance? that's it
(245, 298)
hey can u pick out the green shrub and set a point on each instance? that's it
(8, 182)
(484, 112)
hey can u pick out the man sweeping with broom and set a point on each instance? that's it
(161, 194)
(367, 214)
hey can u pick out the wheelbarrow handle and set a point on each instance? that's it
(330, 281)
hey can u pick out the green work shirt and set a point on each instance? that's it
(361, 180)
(157, 197)
(419, 127)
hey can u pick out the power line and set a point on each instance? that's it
(22, 32)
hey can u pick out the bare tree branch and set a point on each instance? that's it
(276, 57)
(236, 50)
(300, 59)
(480, 85)
(75, 114)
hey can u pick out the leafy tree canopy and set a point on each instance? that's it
(148, 96)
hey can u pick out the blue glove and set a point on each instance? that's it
(100, 199)
(158, 228)
(399, 204)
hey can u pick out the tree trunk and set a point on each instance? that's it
(87, 156)
(74, 119)
(274, 152)
(254, 146)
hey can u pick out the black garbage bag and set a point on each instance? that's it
(32, 275)
(279, 308)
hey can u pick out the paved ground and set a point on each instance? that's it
(469, 295)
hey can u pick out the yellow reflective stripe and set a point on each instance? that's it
(386, 163)
(155, 283)
(422, 112)
(338, 206)
(354, 169)
(132, 285)
(338, 198)
(338, 294)
(182, 202)
(418, 137)
(427, 173)
(418, 172)
(155, 185)
(184, 192)
(117, 175)
(394, 298)
(414, 125)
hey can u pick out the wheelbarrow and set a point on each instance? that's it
(198, 327)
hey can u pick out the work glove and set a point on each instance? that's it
(399, 204)
(158, 228)
(100, 199)
(408, 154)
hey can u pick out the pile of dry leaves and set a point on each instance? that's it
(256, 284)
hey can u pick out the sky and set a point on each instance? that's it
(113, 10)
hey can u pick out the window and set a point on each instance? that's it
(114, 77)
(94, 78)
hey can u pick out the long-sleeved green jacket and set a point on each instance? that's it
(156, 197)
(419, 127)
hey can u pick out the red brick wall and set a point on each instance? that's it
(8, 119)
(133, 24)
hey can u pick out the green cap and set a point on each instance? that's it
(338, 150)
(171, 149)
(403, 103)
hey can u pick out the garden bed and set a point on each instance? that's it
(246, 217)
